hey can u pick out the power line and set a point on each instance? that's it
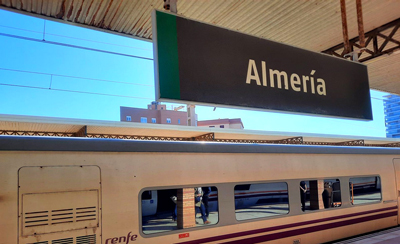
(15, 28)
(75, 77)
(82, 39)
(72, 91)
(74, 46)
(76, 38)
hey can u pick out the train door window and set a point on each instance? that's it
(261, 200)
(365, 190)
(162, 209)
(320, 194)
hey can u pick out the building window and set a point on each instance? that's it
(221, 126)
(128, 118)
(168, 120)
(143, 120)
(159, 208)
(153, 120)
(179, 121)
(365, 190)
(261, 200)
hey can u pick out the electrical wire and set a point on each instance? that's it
(76, 38)
(75, 77)
(72, 91)
(74, 46)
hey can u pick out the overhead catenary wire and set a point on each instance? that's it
(74, 46)
(75, 77)
(76, 38)
(84, 92)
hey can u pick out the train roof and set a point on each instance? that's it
(35, 143)
(129, 136)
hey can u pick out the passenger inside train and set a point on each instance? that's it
(161, 212)
(328, 188)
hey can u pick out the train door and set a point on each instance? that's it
(396, 163)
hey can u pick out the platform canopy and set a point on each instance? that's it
(18, 125)
(313, 25)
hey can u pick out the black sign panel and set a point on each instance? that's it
(217, 66)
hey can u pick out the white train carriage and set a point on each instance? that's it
(84, 191)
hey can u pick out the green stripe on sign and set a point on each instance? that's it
(168, 63)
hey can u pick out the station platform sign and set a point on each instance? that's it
(204, 64)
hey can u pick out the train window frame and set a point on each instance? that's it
(246, 186)
(366, 203)
(332, 206)
(174, 231)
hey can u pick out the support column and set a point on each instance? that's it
(316, 189)
(192, 121)
(360, 24)
(346, 42)
(185, 208)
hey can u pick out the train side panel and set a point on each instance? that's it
(123, 176)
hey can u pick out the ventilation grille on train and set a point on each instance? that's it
(91, 239)
(59, 216)
(63, 241)
(86, 239)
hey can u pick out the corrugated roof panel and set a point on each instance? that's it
(122, 16)
(383, 73)
(314, 25)
(139, 21)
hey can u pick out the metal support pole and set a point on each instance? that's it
(344, 27)
(360, 24)
(171, 5)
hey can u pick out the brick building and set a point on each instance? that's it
(155, 113)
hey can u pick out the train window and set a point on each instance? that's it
(261, 200)
(313, 191)
(365, 190)
(162, 210)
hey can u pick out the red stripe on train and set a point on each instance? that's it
(303, 230)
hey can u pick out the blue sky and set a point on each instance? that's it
(82, 73)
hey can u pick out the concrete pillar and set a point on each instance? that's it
(186, 208)
(191, 110)
(316, 189)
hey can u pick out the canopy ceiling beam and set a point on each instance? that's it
(373, 47)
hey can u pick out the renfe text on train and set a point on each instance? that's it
(297, 84)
